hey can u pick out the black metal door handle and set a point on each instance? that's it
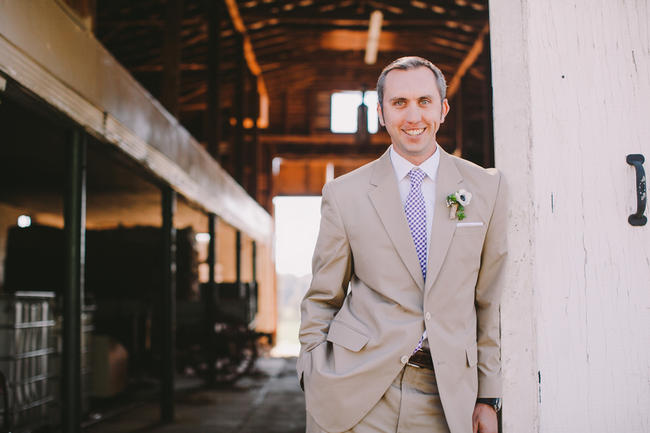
(638, 219)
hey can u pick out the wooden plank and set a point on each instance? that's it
(469, 60)
(571, 100)
(293, 150)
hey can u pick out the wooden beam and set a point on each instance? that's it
(309, 20)
(290, 150)
(469, 60)
(171, 81)
(249, 54)
(198, 91)
(124, 124)
(87, 11)
(374, 31)
(327, 139)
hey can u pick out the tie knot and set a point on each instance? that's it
(416, 175)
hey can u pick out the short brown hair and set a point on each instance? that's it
(411, 62)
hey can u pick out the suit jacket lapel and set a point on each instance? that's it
(443, 228)
(385, 197)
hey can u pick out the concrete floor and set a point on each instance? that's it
(268, 401)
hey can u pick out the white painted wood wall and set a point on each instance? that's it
(571, 86)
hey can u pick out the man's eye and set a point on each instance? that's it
(399, 103)
(425, 102)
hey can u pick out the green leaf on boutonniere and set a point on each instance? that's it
(457, 202)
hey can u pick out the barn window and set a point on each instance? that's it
(344, 111)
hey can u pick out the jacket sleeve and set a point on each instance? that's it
(488, 297)
(331, 272)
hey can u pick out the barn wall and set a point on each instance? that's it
(571, 81)
(267, 316)
(226, 252)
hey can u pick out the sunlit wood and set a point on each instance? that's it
(374, 30)
(251, 61)
(469, 60)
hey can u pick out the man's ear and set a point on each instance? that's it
(380, 115)
(445, 110)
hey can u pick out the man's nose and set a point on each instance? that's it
(413, 113)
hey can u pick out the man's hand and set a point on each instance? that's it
(484, 419)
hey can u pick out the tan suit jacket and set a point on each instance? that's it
(368, 304)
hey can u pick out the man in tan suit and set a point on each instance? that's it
(400, 326)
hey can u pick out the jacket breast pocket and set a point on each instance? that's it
(470, 230)
(345, 336)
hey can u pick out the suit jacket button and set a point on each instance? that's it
(427, 316)
(404, 359)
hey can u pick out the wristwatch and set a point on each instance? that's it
(494, 402)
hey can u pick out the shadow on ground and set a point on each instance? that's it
(267, 401)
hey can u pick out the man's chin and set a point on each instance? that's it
(418, 147)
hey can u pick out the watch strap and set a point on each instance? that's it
(494, 402)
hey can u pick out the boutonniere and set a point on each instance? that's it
(456, 203)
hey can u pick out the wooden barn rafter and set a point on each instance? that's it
(278, 62)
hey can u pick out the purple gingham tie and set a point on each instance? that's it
(416, 215)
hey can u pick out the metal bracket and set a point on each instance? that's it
(638, 219)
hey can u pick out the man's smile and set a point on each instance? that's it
(414, 132)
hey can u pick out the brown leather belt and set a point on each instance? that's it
(421, 359)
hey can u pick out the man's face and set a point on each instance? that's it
(412, 112)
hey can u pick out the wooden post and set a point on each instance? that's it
(239, 103)
(458, 102)
(254, 252)
(171, 80)
(209, 298)
(260, 169)
(238, 248)
(75, 234)
(486, 87)
(168, 314)
(213, 119)
(253, 154)
(575, 304)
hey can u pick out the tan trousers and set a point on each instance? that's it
(411, 405)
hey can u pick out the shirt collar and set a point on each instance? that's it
(402, 166)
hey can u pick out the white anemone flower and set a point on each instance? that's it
(463, 197)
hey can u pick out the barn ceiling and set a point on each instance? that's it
(298, 44)
(293, 54)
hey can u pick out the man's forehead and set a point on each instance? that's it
(416, 82)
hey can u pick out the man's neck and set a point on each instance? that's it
(415, 160)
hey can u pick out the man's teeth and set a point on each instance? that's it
(414, 131)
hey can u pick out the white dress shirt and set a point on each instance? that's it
(402, 167)
(430, 166)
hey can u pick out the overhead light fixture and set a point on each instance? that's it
(374, 29)
(24, 221)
